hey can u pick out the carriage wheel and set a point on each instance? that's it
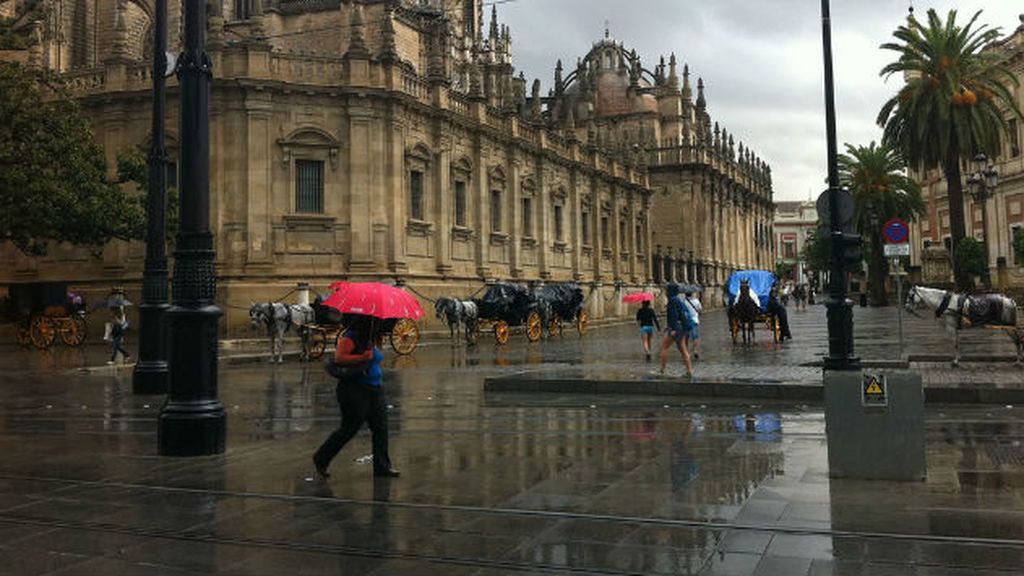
(555, 327)
(582, 323)
(72, 330)
(42, 332)
(734, 328)
(776, 327)
(405, 336)
(317, 344)
(24, 334)
(533, 327)
(501, 332)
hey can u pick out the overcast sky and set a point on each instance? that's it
(761, 61)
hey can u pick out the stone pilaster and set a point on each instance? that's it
(257, 179)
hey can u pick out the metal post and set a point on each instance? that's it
(986, 278)
(151, 373)
(839, 312)
(193, 422)
(899, 301)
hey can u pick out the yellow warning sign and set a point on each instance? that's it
(874, 392)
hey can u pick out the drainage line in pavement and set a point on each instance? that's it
(668, 522)
(305, 546)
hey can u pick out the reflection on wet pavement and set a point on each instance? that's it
(492, 484)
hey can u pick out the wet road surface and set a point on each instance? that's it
(492, 484)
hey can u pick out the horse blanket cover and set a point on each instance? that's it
(761, 282)
(504, 301)
(980, 309)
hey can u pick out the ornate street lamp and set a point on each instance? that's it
(982, 184)
(193, 421)
(151, 373)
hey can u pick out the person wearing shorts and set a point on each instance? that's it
(677, 331)
(648, 321)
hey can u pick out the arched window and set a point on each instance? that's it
(461, 172)
(497, 196)
(417, 161)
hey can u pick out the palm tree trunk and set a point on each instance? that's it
(877, 271)
(957, 227)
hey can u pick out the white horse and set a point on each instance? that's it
(278, 318)
(457, 313)
(967, 311)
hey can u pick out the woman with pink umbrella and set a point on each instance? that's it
(646, 318)
(357, 366)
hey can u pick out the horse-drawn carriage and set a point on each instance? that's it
(561, 304)
(45, 310)
(503, 307)
(747, 296)
(329, 324)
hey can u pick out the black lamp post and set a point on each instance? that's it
(151, 374)
(982, 184)
(839, 312)
(193, 422)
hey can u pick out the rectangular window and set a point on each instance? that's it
(585, 228)
(496, 210)
(604, 232)
(1016, 241)
(460, 203)
(309, 187)
(1014, 132)
(622, 234)
(558, 222)
(639, 238)
(528, 217)
(416, 195)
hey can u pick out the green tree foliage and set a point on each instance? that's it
(815, 253)
(952, 105)
(133, 169)
(784, 270)
(971, 256)
(53, 184)
(1018, 245)
(881, 190)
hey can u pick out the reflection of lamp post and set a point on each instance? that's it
(983, 184)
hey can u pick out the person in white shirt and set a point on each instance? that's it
(694, 302)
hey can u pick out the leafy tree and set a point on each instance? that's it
(53, 184)
(1018, 245)
(881, 190)
(784, 270)
(951, 107)
(132, 168)
(971, 256)
(815, 253)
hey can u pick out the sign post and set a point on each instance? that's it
(897, 236)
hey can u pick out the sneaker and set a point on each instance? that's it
(110, 362)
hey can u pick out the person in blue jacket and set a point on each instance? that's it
(357, 366)
(679, 325)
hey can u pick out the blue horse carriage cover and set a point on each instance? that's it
(761, 282)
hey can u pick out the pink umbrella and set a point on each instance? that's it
(375, 299)
(638, 297)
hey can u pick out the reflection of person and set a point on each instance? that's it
(118, 327)
(360, 395)
(678, 329)
(648, 321)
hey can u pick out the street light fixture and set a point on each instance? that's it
(982, 184)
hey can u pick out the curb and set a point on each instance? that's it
(734, 389)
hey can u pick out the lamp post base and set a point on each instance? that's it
(150, 378)
(840, 335)
(151, 375)
(192, 428)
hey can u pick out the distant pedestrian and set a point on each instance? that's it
(694, 301)
(648, 321)
(118, 327)
(800, 295)
(357, 366)
(677, 332)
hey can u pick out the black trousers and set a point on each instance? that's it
(359, 404)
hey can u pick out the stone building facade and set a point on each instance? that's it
(794, 222)
(930, 234)
(388, 139)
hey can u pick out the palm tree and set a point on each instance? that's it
(881, 190)
(953, 103)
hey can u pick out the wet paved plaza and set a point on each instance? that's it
(502, 483)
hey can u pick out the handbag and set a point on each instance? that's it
(345, 371)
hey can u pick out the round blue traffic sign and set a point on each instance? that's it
(896, 231)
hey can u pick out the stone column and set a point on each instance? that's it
(257, 179)
(545, 234)
(443, 205)
(481, 190)
(394, 180)
(360, 178)
(575, 227)
(515, 213)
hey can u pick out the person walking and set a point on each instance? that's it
(678, 329)
(118, 326)
(778, 311)
(695, 307)
(357, 366)
(648, 321)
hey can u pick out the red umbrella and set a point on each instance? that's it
(375, 299)
(638, 297)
